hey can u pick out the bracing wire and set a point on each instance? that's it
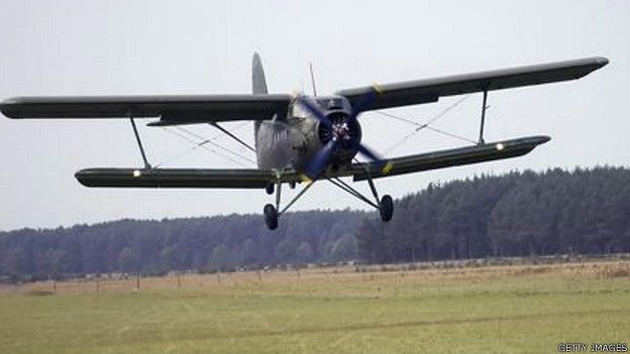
(201, 138)
(425, 125)
(439, 131)
(236, 138)
(201, 144)
(193, 148)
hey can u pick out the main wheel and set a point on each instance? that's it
(271, 216)
(269, 188)
(387, 208)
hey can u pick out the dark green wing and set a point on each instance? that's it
(447, 158)
(254, 178)
(170, 109)
(430, 90)
(181, 178)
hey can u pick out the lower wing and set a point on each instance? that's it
(255, 178)
(447, 158)
(180, 178)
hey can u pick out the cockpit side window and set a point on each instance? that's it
(297, 111)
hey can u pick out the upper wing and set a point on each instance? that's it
(181, 178)
(448, 158)
(170, 109)
(430, 90)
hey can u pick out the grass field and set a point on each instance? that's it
(491, 309)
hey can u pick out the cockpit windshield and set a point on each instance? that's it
(326, 104)
(297, 111)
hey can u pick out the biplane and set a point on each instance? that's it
(300, 139)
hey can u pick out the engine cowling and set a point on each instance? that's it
(345, 131)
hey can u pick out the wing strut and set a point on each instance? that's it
(272, 213)
(304, 189)
(228, 133)
(353, 192)
(147, 165)
(483, 115)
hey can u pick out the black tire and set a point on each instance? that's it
(269, 188)
(271, 217)
(387, 208)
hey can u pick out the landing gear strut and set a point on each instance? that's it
(273, 212)
(385, 205)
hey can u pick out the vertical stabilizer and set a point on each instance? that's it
(259, 85)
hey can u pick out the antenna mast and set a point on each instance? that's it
(310, 66)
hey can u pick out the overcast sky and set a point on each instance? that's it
(202, 47)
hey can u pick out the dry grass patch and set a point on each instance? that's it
(484, 309)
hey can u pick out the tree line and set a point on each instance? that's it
(585, 211)
(517, 214)
(217, 243)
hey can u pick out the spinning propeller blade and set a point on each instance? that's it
(324, 156)
(321, 160)
(365, 103)
(367, 152)
(314, 110)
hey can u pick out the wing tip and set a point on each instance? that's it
(9, 107)
(599, 62)
(602, 60)
(533, 141)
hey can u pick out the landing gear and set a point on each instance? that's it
(273, 212)
(385, 205)
(271, 216)
(386, 208)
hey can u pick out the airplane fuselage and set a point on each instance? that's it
(290, 142)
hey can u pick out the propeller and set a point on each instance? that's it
(321, 160)
(341, 132)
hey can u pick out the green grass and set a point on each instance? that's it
(516, 309)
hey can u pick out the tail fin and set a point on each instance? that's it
(259, 85)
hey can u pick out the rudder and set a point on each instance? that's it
(259, 84)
